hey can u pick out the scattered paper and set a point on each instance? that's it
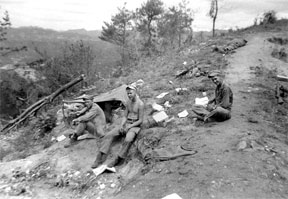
(162, 95)
(61, 138)
(172, 196)
(102, 168)
(201, 101)
(157, 107)
(86, 136)
(183, 114)
(102, 186)
(167, 104)
(160, 116)
(181, 89)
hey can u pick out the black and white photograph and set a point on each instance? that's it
(144, 99)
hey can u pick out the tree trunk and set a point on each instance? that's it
(215, 16)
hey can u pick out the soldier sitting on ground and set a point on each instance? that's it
(218, 108)
(129, 128)
(90, 118)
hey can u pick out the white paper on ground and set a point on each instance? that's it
(172, 196)
(160, 116)
(183, 114)
(61, 138)
(201, 101)
(102, 168)
(167, 104)
(157, 107)
(181, 89)
(162, 95)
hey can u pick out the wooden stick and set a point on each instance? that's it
(36, 106)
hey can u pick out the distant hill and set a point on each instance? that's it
(92, 33)
(41, 34)
(42, 42)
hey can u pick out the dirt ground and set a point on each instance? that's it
(244, 157)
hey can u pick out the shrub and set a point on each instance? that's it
(269, 17)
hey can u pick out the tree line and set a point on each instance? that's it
(150, 28)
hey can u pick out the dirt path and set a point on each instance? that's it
(219, 170)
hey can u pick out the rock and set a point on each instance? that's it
(241, 145)
(252, 120)
(183, 171)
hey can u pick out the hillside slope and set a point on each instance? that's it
(244, 157)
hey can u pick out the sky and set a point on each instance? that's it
(90, 14)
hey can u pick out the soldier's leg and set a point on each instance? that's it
(108, 139)
(199, 112)
(130, 137)
(80, 128)
(105, 146)
(219, 114)
(100, 126)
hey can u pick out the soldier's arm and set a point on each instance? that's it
(211, 101)
(89, 115)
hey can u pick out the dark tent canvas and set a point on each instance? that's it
(112, 100)
(117, 94)
(107, 101)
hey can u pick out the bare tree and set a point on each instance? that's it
(213, 13)
(4, 25)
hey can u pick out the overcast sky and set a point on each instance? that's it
(90, 14)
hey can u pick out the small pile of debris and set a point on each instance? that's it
(237, 43)
(280, 54)
(278, 40)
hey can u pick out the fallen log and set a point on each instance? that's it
(186, 70)
(282, 78)
(39, 104)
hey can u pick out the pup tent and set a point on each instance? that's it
(112, 100)
(108, 102)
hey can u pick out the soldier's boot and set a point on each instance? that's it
(100, 158)
(115, 161)
(72, 141)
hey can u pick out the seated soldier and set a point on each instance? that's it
(218, 108)
(129, 128)
(90, 118)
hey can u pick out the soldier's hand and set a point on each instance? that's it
(210, 107)
(75, 121)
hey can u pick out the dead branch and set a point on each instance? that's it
(39, 104)
(282, 78)
(186, 70)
